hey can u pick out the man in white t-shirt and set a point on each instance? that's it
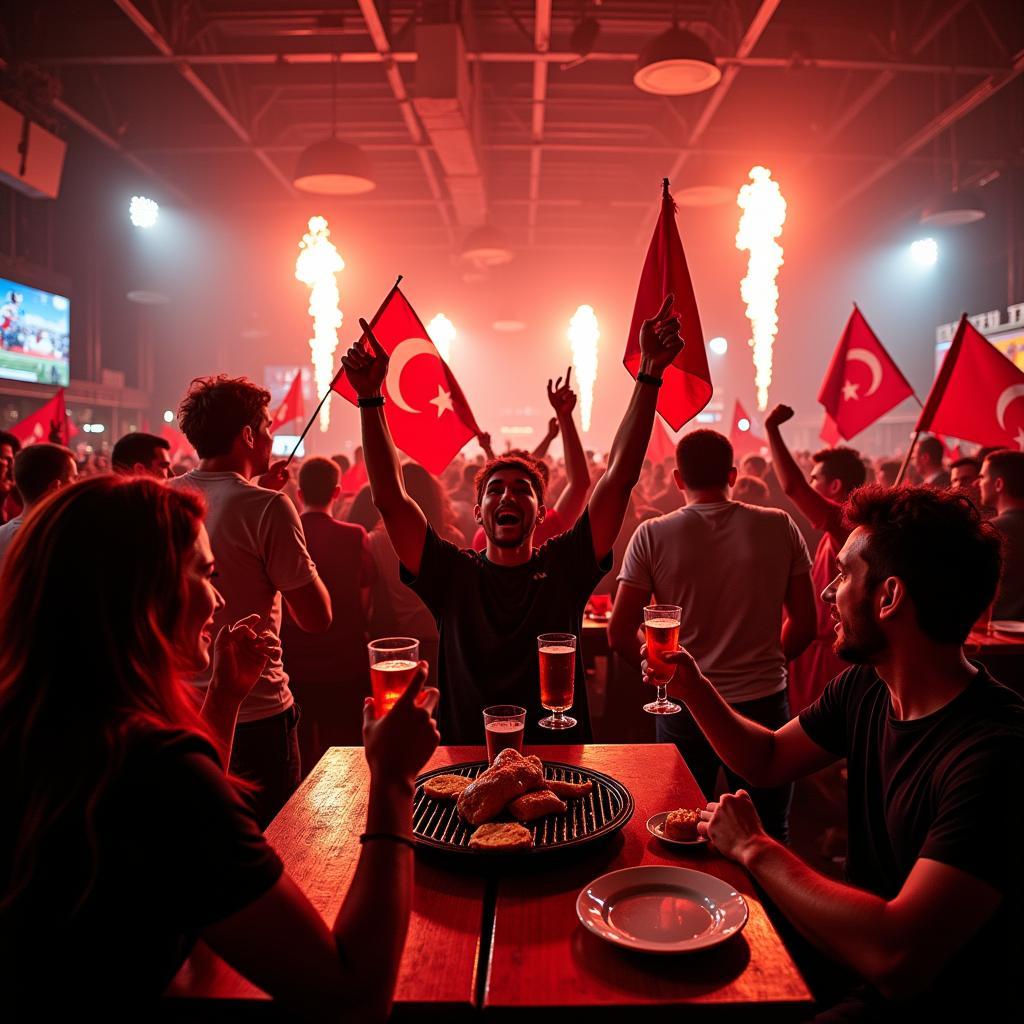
(733, 569)
(260, 556)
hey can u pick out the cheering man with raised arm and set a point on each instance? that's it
(491, 606)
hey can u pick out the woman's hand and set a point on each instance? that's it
(240, 654)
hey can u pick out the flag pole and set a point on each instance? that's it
(327, 393)
(906, 459)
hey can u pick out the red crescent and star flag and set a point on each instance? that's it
(429, 417)
(862, 382)
(50, 422)
(977, 393)
(687, 382)
(744, 442)
(292, 408)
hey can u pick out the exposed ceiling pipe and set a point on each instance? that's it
(541, 43)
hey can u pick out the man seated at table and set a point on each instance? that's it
(491, 605)
(930, 919)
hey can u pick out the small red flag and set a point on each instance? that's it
(661, 446)
(862, 382)
(48, 423)
(687, 382)
(428, 414)
(292, 408)
(974, 396)
(744, 441)
(179, 443)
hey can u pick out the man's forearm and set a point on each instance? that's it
(793, 481)
(796, 638)
(383, 468)
(629, 447)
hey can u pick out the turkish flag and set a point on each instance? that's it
(862, 382)
(829, 433)
(48, 423)
(661, 446)
(428, 414)
(687, 382)
(292, 408)
(744, 442)
(975, 394)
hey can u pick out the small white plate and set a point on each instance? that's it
(656, 826)
(1011, 627)
(661, 909)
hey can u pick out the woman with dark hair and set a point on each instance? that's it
(125, 841)
(362, 511)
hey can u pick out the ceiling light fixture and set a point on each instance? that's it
(953, 209)
(486, 246)
(676, 63)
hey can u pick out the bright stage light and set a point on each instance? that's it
(764, 213)
(316, 266)
(143, 212)
(719, 346)
(743, 423)
(442, 334)
(583, 335)
(925, 252)
(168, 416)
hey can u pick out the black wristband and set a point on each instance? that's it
(646, 378)
(368, 837)
(370, 403)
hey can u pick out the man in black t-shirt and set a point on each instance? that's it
(935, 755)
(491, 606)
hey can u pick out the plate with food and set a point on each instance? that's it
(677, 827)
(661, 909)
(517, 805)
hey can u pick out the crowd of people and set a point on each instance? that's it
(182, 639)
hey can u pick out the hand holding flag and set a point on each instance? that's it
(366, 366)
(660, 340)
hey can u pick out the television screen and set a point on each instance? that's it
(35, 329)
(283, 445)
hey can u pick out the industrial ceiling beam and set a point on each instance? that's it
(379, 37)
(150, 31)
(750, 39)
(541, 43)
(945, 119)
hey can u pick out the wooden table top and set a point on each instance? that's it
(1004, 643)
(542, 956)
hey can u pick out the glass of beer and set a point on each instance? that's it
(504, 725)
(557, 653)
(661, 624)
(393, 661)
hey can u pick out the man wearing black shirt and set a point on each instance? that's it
(935, 754)
(491, 606)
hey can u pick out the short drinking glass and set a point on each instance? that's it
(504, 725)
(393, 661)
(557, 654)
(661, 624)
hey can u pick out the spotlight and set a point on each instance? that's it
(676, 63)
(925, 252)
(143, 212)
(743, 423)
(719, 346)
(168, 416)
(442, 334)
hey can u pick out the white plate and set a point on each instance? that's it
(656, 826)
(1012, 627)
(661, 909)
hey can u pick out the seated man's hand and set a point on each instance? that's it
(732, 825)
(687, 674)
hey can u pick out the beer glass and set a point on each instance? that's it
(504, 725)
(557, 654)
(661, 624)
(393, 661)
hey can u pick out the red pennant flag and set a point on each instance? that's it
(48, 423)
(661, 445)
(292, 408)
(829, 433)
(426, 410)
(178, 441)
(975, 394)
(744, 441)
(862, 382)
(687, 382)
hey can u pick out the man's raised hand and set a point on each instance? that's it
(366, 367)
(660, 341)
(779, 415)
(561, 396)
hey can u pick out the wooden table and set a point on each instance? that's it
(513, 942)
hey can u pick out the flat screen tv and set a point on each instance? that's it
(35, 332)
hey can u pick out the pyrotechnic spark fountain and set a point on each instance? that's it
(583, 335)
(764, 213)
(442, 334)
(316, 266)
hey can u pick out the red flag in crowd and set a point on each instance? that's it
(177, 440)
(48, 423)
(975, 394)
(292, 408)
(426, 410)
(661, 446)
(829, 433)
(862, 382)
(744, 441)
(687, 382)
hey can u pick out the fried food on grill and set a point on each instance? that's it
(501, 836)
(569, 789)
(535, 805)
(510, 776)
(681, 825)
(446, 787)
